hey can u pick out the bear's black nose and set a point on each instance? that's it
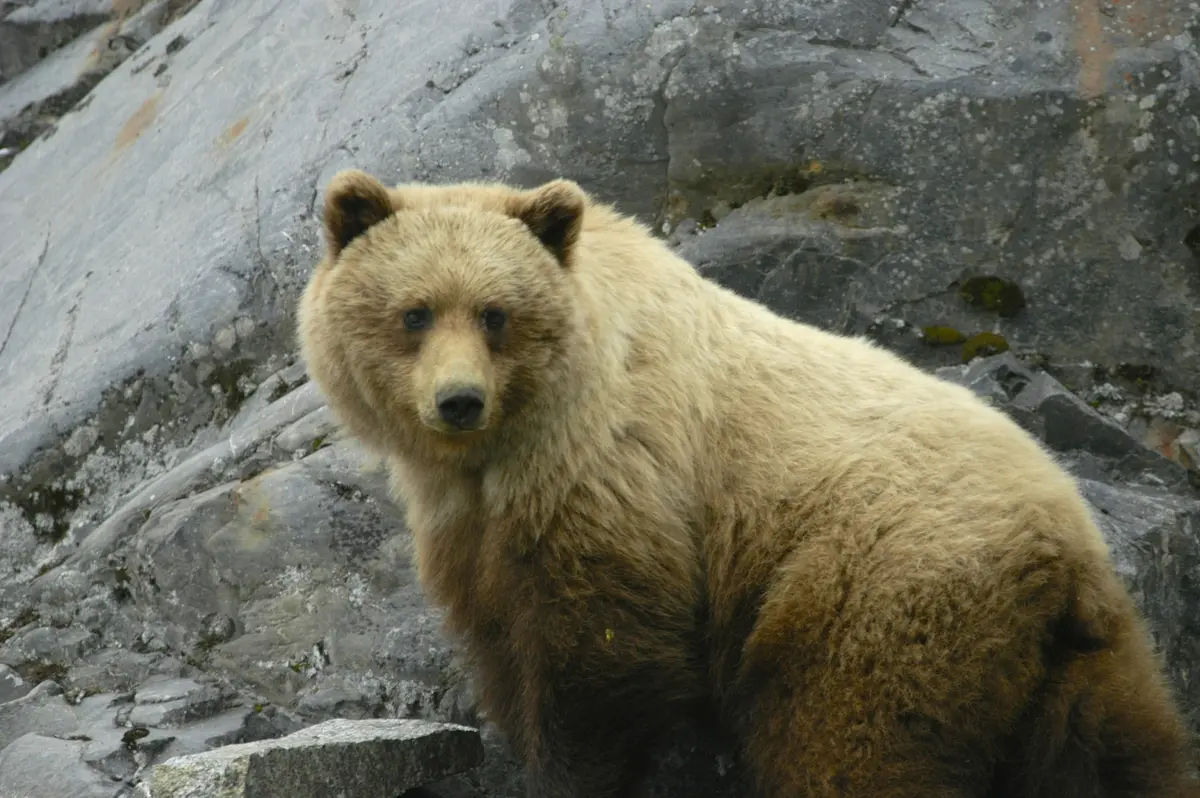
(460, 407)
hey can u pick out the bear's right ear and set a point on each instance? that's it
(354, 202)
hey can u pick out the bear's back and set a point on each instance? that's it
(777, 410)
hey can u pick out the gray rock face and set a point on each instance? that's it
(29, 32)
(35, 765)
(44, 711)
(198, 557)
(114, 737)
(970, 142)
(54, 52)
(12, 686)
(358, 759)
(1156, 542)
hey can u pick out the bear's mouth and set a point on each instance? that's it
(459, 434)
(456, 432)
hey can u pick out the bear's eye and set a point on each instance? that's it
(418, 318)
(494, 319)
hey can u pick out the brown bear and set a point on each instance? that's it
(639, 494)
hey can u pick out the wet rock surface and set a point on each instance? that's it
(192, 555)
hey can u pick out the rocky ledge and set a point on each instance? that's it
(350, 758)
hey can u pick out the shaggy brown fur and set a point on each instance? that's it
(637, 492)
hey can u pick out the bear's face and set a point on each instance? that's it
(439, 314)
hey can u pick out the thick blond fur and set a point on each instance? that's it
(678, 499)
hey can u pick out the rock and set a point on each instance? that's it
(29, 33)
(309, 432)
(230, 275)
(242, 725)
(1155, 540)
(124, 733)
(172, 703)
(12, 686)
(35, 99)
(774, 251)
(1064, 422)
(312, 590)
(120, 754)
(47, 645)
(36, 766)
(363, 759)
(165, 691)
(19, 544)
(113, 747)
(204, 464)
(119, 670)
(796, 113)
(42, 711)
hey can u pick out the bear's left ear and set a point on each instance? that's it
(354, 202)
(554, 214)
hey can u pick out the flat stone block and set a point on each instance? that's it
(344, 758)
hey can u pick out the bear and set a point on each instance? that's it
(640, 497)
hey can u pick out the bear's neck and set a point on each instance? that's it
(537, 459)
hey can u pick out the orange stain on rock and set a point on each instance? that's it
(232, 133)
(138, 123)
(1093, 47)
(1101, 26)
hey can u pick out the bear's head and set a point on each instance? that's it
(440, 312)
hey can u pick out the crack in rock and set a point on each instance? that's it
(25, 294)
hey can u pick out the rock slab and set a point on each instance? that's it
(36, 765)
(43, 710)
(353, 759)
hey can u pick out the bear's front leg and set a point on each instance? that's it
(595, 763)
(595, 707)
(596, 740)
